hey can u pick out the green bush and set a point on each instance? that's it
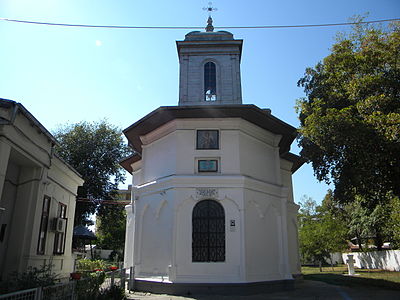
(31, 278)
(88, 287)
(114, 293)
(90, 265)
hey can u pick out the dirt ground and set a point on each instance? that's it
(304, 289)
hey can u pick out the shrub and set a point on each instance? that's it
(88, 287)
(31, 278)
(114, 293)
(90, 265)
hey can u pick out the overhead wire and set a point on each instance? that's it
(196, 27)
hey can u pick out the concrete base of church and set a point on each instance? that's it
(183, 289)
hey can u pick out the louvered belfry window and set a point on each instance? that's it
(208, 232)
(210, 82)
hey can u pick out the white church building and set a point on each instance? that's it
(212, 203)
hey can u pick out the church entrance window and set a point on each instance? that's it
(208, 232)
(210, 82)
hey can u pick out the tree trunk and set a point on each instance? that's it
(359, 242)
(331, 261)
(320, 266)
(378, 241)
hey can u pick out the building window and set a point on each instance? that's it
(210, 82)
(208, 232)
(207, 139)
(61, 229)
(44, 221)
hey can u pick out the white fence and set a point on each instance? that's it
(385, 260)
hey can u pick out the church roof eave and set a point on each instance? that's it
(248, 112)
(209, 43)
(127, 162)
(296, 160)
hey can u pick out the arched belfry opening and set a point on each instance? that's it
(210, 81)
(208, 232)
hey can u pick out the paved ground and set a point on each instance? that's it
(305, 289)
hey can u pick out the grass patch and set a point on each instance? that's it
(377, 278)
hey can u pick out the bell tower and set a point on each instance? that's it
(209, 68)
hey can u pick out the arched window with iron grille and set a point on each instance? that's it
(208, 232)
(210, 81)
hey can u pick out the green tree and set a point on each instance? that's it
(363, 221)
(111, 237)
(394, 221)
(350, 117)
(320, 233)
(94, 150)
(368, 222)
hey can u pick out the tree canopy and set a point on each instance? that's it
(111, 227)
(321, 232)
(94, 150)
(350, 117)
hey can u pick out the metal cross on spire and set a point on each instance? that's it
(210, 9)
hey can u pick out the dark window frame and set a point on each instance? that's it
(44, 223)
(60, 237)
(208, 232)
(201, 170)
(210, 81)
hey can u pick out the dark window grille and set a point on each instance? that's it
(208, 232)
(43, 225)
(210, 82)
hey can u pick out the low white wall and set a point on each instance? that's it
(385, 260)
(336, 258)
(102, 253)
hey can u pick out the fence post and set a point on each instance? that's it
(112, 278)
(131, 283)
(74, 295)
(122, 275)
(38, 294)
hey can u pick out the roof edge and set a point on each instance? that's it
(295, 159)
(128, 161)
(29, 116)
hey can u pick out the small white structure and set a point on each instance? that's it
(212, 190)
(37, 195)
(350, 264)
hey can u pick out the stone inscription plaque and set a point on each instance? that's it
(207, 193)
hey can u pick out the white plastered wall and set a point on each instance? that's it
(251, 187)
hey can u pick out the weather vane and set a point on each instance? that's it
(210, 9)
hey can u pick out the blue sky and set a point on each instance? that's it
(65, 75)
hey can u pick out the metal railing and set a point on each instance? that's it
(31, 294)
(70, 290)
(123, 277)
(61, 291)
